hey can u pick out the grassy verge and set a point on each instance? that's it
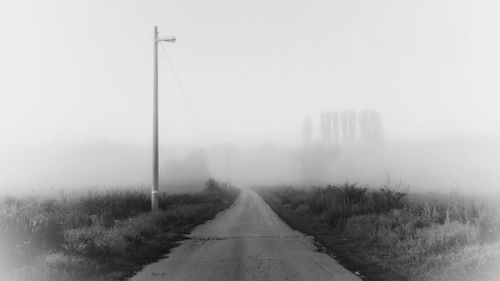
(389, 235)
(100, 236)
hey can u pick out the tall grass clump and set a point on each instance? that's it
(337, 203)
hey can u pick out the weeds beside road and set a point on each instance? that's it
(100, 236)
(389, 235)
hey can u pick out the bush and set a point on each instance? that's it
(337, 203)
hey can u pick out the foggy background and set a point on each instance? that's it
(76, 92)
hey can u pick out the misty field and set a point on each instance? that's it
(389, 235)
(98, 236)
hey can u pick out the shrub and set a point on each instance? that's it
(337, 203)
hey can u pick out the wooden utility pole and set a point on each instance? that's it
(154, 189)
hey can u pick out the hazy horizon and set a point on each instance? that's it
(80, 72)
(423, 166)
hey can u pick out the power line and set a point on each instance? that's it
(191, 109)
(181, 88)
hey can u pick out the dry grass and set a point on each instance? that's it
(422, 238)
(87, 237)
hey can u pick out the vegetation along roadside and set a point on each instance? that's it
(99, 236)
(383, 234)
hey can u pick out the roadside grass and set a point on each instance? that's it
(99, 236)
(386, 234)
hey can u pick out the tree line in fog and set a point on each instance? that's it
(346, 127)
(339, 131)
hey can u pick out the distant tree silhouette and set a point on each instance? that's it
(315, 162)
(352, 119)
(370, 125)
(344, 124)
(364, 127)
(335, 128)
(376, 128)
(189, 172)
(326, 127)
(307, 131)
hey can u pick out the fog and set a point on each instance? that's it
(436, 165)
(260, 79)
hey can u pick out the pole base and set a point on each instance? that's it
(154, 201)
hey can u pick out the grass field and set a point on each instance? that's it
(390, 235)
(98, 236)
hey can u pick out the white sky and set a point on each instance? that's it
(73, 71)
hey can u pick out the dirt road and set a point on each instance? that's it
(246, 242)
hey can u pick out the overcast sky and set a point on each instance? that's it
(74, 71)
